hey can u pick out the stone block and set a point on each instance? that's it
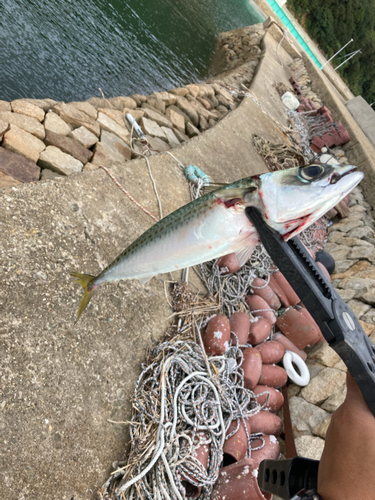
(106, 123)
(369, 297)
(158, 118)
(171, 138)
(166, 97)
(358, 307)
(342, 265)
(27, 123)
(346, 294)
(369, 317)
(191, 131)
(176, 119)
(5, 106)
(305, 416)
(188, 109)
(156, 103)
(151, 128)
(48, 174)
(361, 252)
(76, 118)
(3, 128)
(323, 385)
(85, 107)
(157, 145)
(122, 102)
(54, 159)
(139, 98)
(345, 227)
(45, 104)
(18, 167)
(361, 232)
(21, 142)
(28, 109)
(69, 146)
(7, 180)
(324, 354)
(309, 447)
(110, 149)
(83, 136)
(180, 91)
(115, 115)
(335, 399)
(180, 135)
(53, 123)
(321, 429)
(99, 102)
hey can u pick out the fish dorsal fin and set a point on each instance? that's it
(208, 188)
(244, 254)
(145, 279)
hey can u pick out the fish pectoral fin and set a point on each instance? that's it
(244, 254)
(232, 193)
(145, 279)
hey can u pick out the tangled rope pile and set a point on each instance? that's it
(277, 156)
(182, 401)
(230, 290)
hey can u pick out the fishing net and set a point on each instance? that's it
(277, 156)
(183, 402)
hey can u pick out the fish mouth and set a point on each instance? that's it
(336, 176)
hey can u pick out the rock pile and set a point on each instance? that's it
(302, 77)
(43, 139)
(351, 242)
(238, 54)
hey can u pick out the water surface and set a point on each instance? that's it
(67, 49)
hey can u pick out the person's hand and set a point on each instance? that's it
(347, 466)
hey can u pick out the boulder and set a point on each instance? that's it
(27, 123)
(3, 128)
(69, 146)
(84, 137)
(322, 385)
(7, 181)
(188, 109)
(21, 142)
(324, 354)
(345, 227)
(180, 91)
(48, 174)
(106, 123)
(115, 115)
(191, 130)
(110, 149)
(309, 447)
(5, 106)
(99, 102)
(139, 98)
(156, 103)
(28, 109)
(358, 307)
(54, 159)
(85, 107)
(76, 118)
(151, 128)
(166, 97)
(335, 399)
(180, 135)
(136, 114)
(18, 167)
(193, 89)
(176, 119)
(123, 102)
(45, 104)
(305, 416)
(158, 118)
(54, 123)
(157, 144)
(321, 429)
(171, 138)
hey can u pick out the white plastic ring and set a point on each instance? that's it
(303, 377)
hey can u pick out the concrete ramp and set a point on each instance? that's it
(61, 383)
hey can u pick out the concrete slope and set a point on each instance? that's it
(60, 382)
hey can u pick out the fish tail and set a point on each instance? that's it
(88, 285)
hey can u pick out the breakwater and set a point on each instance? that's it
(43, 139)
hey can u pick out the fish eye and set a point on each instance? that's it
(311, 172)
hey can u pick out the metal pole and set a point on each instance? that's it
(342, 48)
(346, 60)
